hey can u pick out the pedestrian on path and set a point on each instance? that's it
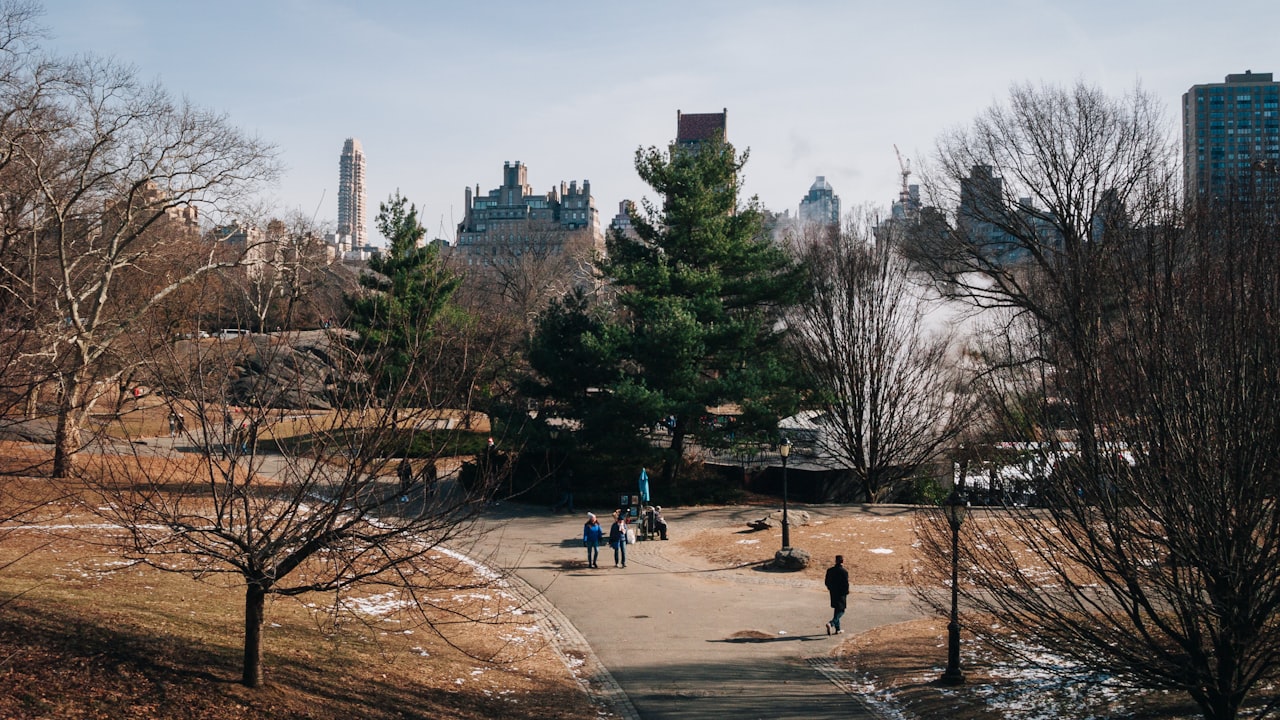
(404, 474)
(173, 423)
(618, 538)
(592, 536)
(837, 582)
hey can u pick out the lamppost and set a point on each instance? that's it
(532, 411)
(957, 507)
(784, 449)
(552, 433)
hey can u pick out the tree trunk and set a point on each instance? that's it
(66, 442)
(671, 466)
(33, 401)
(254, 601)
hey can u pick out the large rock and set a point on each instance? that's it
(289, 370)
(795, 518)
(791, 559)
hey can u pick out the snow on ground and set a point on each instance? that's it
(380, 605)
(1043, 685)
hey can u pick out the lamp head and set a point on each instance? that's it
(957, 507)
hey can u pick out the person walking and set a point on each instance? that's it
(404, 474)
(837, 582)
(618, 538)
(592, 536)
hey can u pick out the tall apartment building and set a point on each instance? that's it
(693, 129)
(622, 221)
(351, 233)
(821, 206)
(985, 212)
(511, 221)
(1231, 137)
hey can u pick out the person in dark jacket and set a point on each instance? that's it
(837, 583)
(592, 536)
(618, 538)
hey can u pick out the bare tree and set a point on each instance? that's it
(888, 389)
(115, 172)
(1041, 184)
(286, 261)
(1153, 557)
(508, 283)
(292, 502)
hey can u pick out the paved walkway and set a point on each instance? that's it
(674, 637)
(683, 639)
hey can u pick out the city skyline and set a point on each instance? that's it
(440, 93)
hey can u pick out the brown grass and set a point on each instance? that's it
(148, 416)
(862, 539)
(85, 635)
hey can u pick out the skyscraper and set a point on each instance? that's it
(821, 206)
(1231, 137)
(351, 232)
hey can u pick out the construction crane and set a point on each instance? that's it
(904, 167)
(904, 195)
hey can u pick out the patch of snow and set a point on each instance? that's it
(376, 605)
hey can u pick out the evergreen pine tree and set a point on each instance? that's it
(405, 292)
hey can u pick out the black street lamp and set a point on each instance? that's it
(553, 433)
(957, 508)
(784, 450)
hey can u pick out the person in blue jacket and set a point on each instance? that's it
(592, 535)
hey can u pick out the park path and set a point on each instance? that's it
(684, 639)
(672, 636)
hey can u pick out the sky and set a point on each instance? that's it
(441, 94)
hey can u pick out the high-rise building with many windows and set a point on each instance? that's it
(1231, 137)
(821, 206)
(351, 197)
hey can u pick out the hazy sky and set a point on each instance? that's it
(440, 94)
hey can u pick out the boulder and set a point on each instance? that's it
(286, 370)
(774, 519)
(791, 559)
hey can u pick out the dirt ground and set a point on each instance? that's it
(878, 544)
(897, 667)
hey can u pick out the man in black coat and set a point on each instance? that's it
(837, 583)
